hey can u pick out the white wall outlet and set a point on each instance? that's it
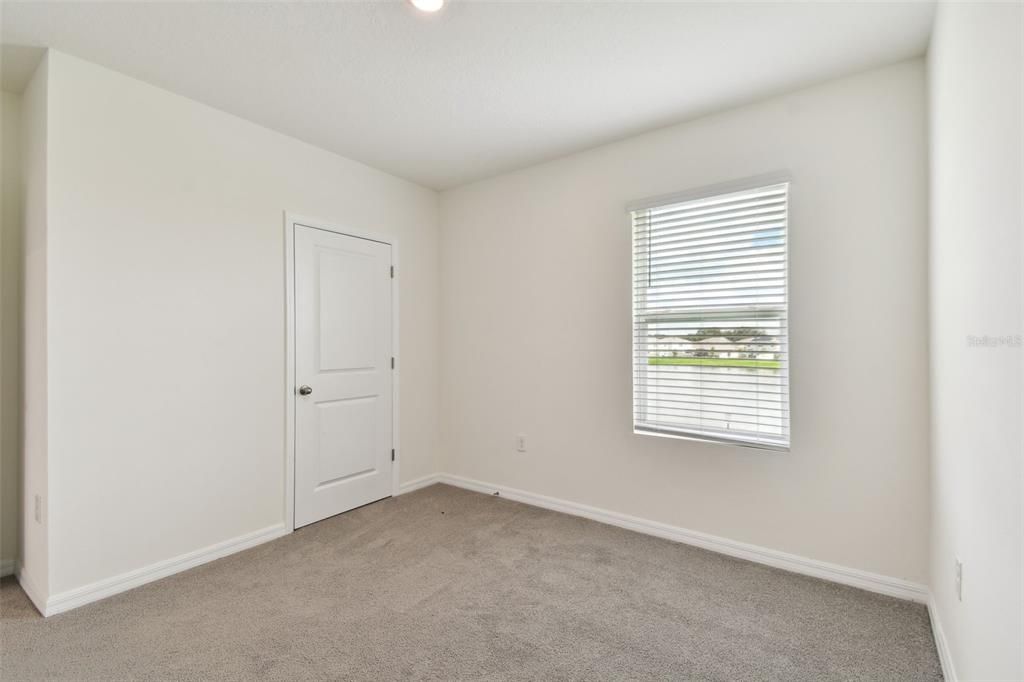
(38, 512)
(958, 577)
(521, 443)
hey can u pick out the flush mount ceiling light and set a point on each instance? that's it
(427, 5)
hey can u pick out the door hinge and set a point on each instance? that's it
(392, 362)
(392, 272)
(392, 454)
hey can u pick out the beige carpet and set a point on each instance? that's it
(448, 584)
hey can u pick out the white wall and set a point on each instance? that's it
(976, 70)
(166, 289)
(536, 328)
(34, 557)
(10, 327)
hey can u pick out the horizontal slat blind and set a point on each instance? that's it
(710, 340)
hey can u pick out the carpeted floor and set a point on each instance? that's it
(448, 584)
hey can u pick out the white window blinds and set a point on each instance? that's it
(710, 347)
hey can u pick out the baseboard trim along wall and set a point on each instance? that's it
(7, 567)
(941, 645)
(873, 582)
(418, 483)
(65, 601)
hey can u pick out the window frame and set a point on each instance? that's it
(637, 369)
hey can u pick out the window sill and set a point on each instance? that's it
(708, 438)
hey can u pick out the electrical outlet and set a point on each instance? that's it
(39, 509)
(958, 577)
(521, 443)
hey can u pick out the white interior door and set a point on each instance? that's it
(343, 366)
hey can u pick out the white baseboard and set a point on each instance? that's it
(873, 582)
(418, 483)
(945, 656)
(7, 567)
(108, 587)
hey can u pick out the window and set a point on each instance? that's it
(710, 346)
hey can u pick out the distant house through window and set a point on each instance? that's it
(710, 335)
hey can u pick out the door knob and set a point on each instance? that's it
(305, 390)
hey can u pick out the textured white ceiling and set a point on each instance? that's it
(479, 88)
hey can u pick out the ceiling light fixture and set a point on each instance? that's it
(427, 5)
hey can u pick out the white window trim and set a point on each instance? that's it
(753, 182)
(708, 191)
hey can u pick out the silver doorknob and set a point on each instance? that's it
(305, 390)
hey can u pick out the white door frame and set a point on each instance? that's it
(290, 221)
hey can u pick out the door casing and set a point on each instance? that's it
(290, 221)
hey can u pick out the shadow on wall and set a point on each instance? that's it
(17, 64)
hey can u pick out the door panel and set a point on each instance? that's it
(347, 338)
(343, 427)
(345, 439)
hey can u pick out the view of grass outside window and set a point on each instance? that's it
(712, 347)
(710, 333)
